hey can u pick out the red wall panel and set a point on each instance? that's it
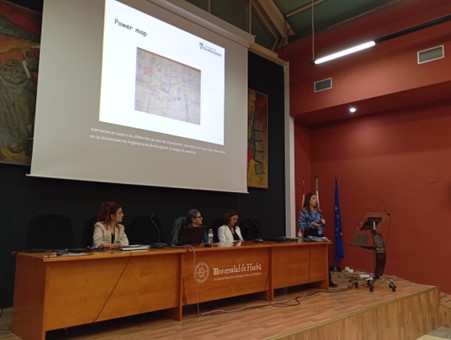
(395, 154)
(399, 162)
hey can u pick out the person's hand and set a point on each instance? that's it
(323, 221)
(315, 224)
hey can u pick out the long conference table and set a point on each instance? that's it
(53, 292)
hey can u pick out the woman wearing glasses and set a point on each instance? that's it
(193, 219)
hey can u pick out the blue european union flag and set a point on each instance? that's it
(339, 249)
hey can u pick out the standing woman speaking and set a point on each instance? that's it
(311, 221)
(108, 230)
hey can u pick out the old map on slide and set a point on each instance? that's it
(167, 88)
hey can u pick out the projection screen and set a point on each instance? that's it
(141, 92)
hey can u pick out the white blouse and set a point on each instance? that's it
(226, 236)
(102, 235)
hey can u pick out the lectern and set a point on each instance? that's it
(369, 224)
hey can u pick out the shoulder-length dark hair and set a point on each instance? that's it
(228, 215)
(308, 196)
(107, 209)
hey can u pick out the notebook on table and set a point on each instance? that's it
(136, 247)
(193, 235)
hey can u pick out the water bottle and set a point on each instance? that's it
(300, 236)
(210, 236)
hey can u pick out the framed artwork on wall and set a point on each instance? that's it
(19, 61)
(257, 145)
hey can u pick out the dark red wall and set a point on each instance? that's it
(399, 162)
(395, 154)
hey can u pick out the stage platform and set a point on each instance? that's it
(437, 334)
(302, 312)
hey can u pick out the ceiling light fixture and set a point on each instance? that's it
(352, 109)
(313, 29)
(347, 51)
(369, 44)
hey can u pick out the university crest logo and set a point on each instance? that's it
(201, 272)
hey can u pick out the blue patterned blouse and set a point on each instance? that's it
(306, 219)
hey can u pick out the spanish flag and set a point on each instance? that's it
(317, 190)
(303, 193)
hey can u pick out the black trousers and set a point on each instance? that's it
(312, 232)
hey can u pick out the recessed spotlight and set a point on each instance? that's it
(352, 109)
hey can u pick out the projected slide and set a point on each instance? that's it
(142, 93)
(167, 88)
(159, 78)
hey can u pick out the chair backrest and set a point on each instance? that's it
(177, 227)
(50, 231)
(88, 230)
(144, 229)
(250, 228)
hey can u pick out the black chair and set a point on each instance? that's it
(50, 231)
(88, 230)
(250, 228)
(177, 227)
(145, 229)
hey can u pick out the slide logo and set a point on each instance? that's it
(209, 49)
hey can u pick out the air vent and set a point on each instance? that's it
(431, 54)
(322, 85)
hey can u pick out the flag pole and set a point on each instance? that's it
(317, 190)
(303, 192)
(339, 249)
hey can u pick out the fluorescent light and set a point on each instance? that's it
(381, 39)
(347, 51)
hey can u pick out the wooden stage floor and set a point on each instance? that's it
(297, 313)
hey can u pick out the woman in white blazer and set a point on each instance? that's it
(230, 232)
(108, 231)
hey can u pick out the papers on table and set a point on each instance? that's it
(136, 247)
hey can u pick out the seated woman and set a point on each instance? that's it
(230, 232)
(108, 230)
(193, 219)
